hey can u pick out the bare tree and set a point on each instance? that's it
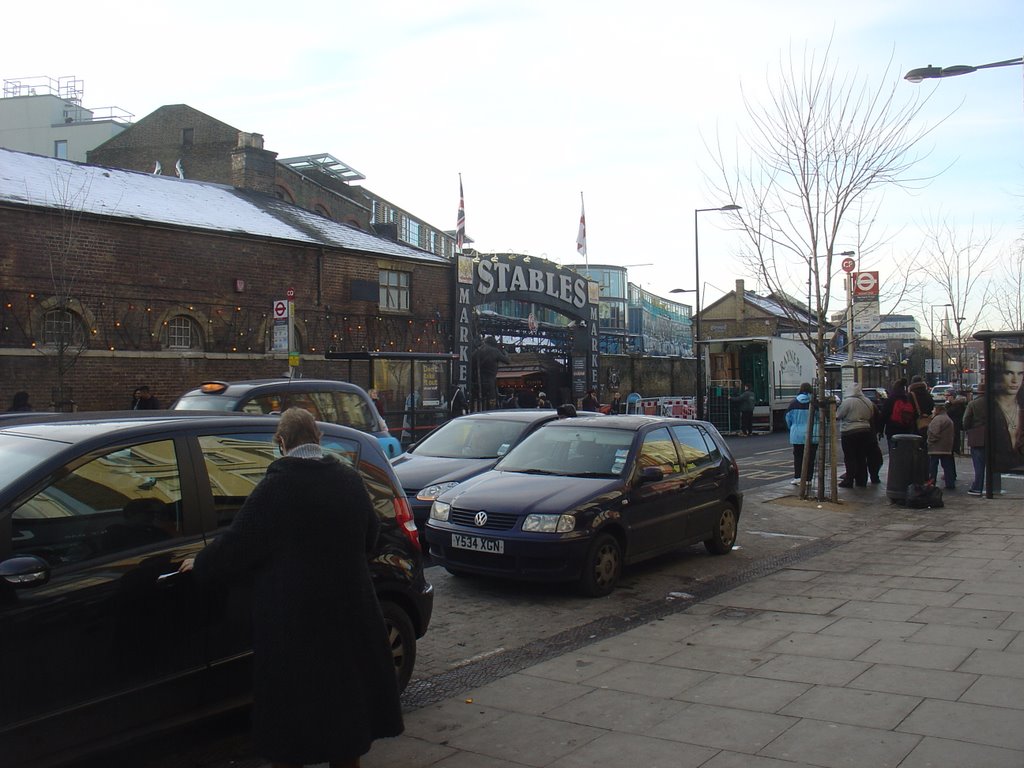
(1006, 291)
(63, 334)
(809, 175)
(956, 263)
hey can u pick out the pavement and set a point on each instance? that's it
(886, 637)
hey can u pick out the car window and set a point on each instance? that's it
(658, 450)
(123, 499)
(472, 439)
(348, 408)
(693, 446)
(235, 463)
(571, 451)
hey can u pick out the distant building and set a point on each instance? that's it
(45, 116)
(891, 333)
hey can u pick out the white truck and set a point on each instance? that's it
(774, 367)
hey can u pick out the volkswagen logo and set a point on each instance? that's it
(480, 518)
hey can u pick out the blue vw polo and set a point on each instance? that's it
(580, 498)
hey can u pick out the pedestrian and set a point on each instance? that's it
(975, 426)
(923, 403)
(955, 407)
(590, 402)
(143, 400)
(940, 447)
(20, 403)
(542, 400)
(856, 414)
(897, 414)
(457, 405)
(745, 401)
(324, 680)
(797, 415)
(566, 411)
(510, 400)
(616, 404)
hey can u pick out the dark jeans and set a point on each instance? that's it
(747, 422)
(856, 449)
(948, 468)
(798, 459)
(978, 459)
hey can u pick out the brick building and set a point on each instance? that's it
(114, 278)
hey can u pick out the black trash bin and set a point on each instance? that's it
(908, 465)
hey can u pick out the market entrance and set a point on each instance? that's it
(501, 295)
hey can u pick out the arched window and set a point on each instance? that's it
(63, 328)
(181, 332)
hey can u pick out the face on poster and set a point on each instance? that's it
(1007, 413)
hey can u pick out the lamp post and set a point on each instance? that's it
(931, 329)
(930, 72)
(699, 338)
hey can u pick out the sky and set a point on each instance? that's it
(537, 102)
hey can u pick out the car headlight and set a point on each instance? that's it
(548, 523)
(431, 492)
(439, 511)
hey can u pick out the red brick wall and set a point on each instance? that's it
(130, 276)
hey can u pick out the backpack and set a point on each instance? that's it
(903, 413)
(923, 497)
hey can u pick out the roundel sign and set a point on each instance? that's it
(280, 310)
(849, 264)
(865, 283)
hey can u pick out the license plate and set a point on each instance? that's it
(478, 544)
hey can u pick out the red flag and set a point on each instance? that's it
(460, 221)
(581, 238)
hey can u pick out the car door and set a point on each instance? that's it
(106, 645)
(704, 475)
(653, 515)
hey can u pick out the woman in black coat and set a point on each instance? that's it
(325, 684)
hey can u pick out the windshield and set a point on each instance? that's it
(205, 403)
(579, 452)
(19, 453)
(472, 439)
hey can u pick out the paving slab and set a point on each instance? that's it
(946, 753)
(835, 745)
(924, 683)
(978, 723)
(872, 709)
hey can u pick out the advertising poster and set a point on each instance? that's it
(1006, 409)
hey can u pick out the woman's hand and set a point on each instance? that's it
(186, 565)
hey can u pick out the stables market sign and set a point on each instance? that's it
(484, 279)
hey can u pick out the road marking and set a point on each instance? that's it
(773, 450)
(769, 534)
(478, 657)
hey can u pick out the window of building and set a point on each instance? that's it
(181, 333)
(62, 328)
(187, 136)
(60, 149)
(394, 290)
(411, 231)
(433, 242)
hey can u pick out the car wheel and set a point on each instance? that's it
(402, 641)
(724, 535)
(603, 566)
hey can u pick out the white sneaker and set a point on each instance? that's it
(795, 481)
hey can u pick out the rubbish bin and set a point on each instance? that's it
(908, 464)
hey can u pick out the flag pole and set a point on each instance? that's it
(581, 237)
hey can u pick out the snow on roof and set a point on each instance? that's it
(27, 179)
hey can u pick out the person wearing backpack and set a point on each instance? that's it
(898, 414)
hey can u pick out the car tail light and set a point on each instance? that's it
(405, 520)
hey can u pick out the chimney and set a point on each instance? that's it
(253, 167)
(741, 301)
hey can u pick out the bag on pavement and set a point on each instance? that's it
(923, 496)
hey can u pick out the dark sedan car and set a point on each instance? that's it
(460, 449)
(337, 402)
(579, 498)
(102, 638)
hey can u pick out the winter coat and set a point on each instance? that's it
(324, 680)
(940, 434)
(796, 420)
(745, 400)
(919, 394)
(885, 417)
(974, 422)
(856, 413)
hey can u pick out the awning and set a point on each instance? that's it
(518, 373)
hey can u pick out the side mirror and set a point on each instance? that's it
(25, 571)
(651, 474)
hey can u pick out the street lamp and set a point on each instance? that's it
(698, 339)
(930, 72)
(686, 290)
(931, 329)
